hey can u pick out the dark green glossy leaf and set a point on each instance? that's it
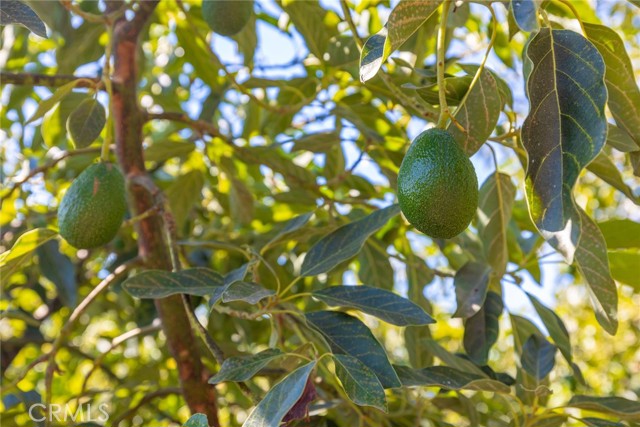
(359, 382)
(525, 13)
(251, 293)
(242, 368)
(59, 268)
(481, 330)
(564, 131)
(619, 406)
(624, 94)
(197, 420)
(606, 170)
(478, 112)
(375, 268)
(23, 248)
(345, 242)
(347, 335)
(405, 19)
(448, 378)
(471, 284)
(538, 356)
(86, 122)
(16, 12)
(495, 204)
(280, 399)
(382, 304)
(160, 284)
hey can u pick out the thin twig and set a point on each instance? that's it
(47, 80)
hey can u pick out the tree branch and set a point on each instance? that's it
(128, 121)
(30, 79)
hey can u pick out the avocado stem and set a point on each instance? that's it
(440, 63)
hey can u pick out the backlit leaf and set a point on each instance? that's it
(47, 104)
(624, 266)
(471, 284)
(404, 20)
(345, 242)
(160, 284)
(620, 140)
(291, 226)
(606, 170)
(348, 335)
(525, 13)
(242, 368)
(359, 382)
(184, 194)
(280, 399)
(86, 122)
(164, 150)
(23, 248)
(376, 302)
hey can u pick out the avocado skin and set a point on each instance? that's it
(92, 209)
(437, 185)
(226, 17)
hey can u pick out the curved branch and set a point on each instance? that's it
(47, 80)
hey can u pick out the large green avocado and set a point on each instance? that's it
(227, 17)
(437, 185)
(92, 209)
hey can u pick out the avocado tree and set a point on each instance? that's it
(334, 213)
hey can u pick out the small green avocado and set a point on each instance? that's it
(227, 17)
(92, 209)
(437, 185)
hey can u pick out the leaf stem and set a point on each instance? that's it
(440, 64)
(575, 13)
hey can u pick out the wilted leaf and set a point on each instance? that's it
(160, 283)
(471, 283)
(280, 399)
(347, 335)
(405, 19)
(382, 304)
(242, 368)
(345, 242)
(359, 382)
(86, 122)
(448, 378)
(538, 356)
(16, 12)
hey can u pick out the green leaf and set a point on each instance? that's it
(341, 51)
(310, 19)
(197, 420)
(241, 202)
(478, 112)
(291, 226)
(495, 205)
(60, 270)
(550, 420)
(382, 304)
(448, 378)
(54, 123)
(624, 267)
(564, 131)
(606, 170)
(183, 194)
(525, 13)
(22, 249)
(624, 94)
(481, 330)
(619, 406)
(375, 268)
(16, 12)
(165, 150)
(86, 122)
(471, 283)
(159, 284)
(456, 88)
(555, 327)
(251, 293)
(359, 382)
(620, 140)
(345, 242)
(452, 360)
(242, 368)
(538, 356)
(347, 335)
(404, 20)
(599, 422)
(280, 399)
(317, 142)
(47, 104)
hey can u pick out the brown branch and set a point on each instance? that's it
(30, 79)
(201, 126)
(128, 121)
